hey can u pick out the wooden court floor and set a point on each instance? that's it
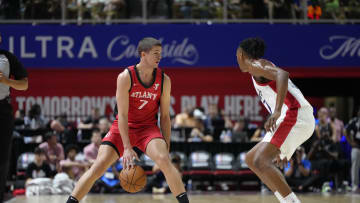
(194, 198)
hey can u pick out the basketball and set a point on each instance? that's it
(133, 180)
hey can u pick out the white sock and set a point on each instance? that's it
(292, 198)
(279, 197)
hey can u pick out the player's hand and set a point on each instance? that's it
(270, 124)
(281, 163)
(129, 158)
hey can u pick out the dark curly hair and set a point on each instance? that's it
(253, 47)
(71, 147)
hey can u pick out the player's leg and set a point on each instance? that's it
(260, 160)
(157, 150)
(106, 156)
(293, 130)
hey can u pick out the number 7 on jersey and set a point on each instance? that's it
(144, 102)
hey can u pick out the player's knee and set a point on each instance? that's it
(249, 160)
(255, 161)
(162, 160)
(260, 162)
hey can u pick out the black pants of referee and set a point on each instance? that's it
(6, 129)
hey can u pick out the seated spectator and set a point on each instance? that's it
(35, 120)
(239, 131)
(298, 171)
(157, 183)
(104, 126)
(259, 133)
(72, 167)
(199, 133)
(39, 168)
(91, 150)
(214, 121)
(63, 128)
(53, 150)
(92, 121)
(109, 182)
(185, 119)
(19, 119)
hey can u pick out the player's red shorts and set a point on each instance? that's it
(139, 137)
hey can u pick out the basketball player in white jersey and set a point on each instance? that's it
(291, 122)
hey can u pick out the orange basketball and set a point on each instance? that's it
(133, 180)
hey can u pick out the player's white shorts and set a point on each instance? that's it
(294, 127)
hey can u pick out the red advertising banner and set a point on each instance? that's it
(76, 91)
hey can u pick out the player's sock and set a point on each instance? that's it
(72, 200)
(292, 198)
(182, 198)
(279, 197)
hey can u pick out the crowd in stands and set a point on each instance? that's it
(329, 161)
(181, 9)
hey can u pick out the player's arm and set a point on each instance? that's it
(123, 84)
(271, 72)
(165, 122)
(21, 84)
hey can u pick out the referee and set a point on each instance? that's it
(10, 67)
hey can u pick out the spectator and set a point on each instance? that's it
(239, 131)
(199, 133)
(35, 120)
(185, 119)
(353, 137)
(314, 10)
(92, 121)
(325, 155)
(259, 133)
(63, 128)
(39, 168)
(298, 171)
(337, 123)
(115, 8)
(324, 128)
(104, 126)
(53, 150)
(19, 119)
(91, 150)
(157, 183)
(214, 121)
(72, 167)
(333, 8)
(109, 182)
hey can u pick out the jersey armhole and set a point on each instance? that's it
(131, 79)
(162, 81)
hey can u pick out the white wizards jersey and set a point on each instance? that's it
(294, 98)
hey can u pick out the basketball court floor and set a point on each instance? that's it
(194, 198)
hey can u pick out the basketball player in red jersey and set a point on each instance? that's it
(141, 90)
(291, 122)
